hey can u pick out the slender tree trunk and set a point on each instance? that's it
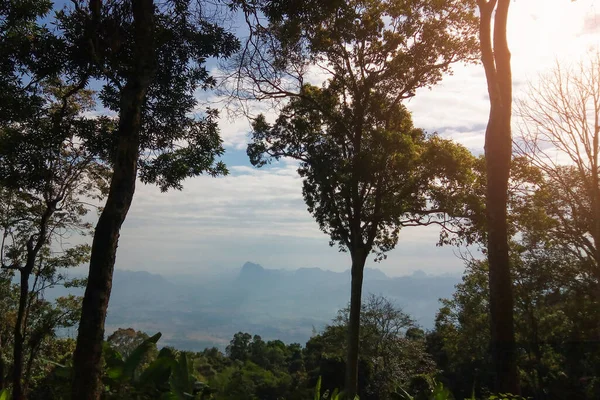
(359, 258)
(33, 353)
(34, 246)
(596, 212)
(19, 339)
(2, 367)
(88, 352)
(598, 301)
(498, 151)
(500, 283)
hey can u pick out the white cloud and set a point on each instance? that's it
(254, 215)
(260, 215)
(540, 32)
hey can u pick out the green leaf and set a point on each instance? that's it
(440, 392)
(159, 371)
(53, 363)
(111, 356)
(181, 380)
(135, 358)
(403, 395)
(335, 394)
(318, 389)
(4, 394)
(115, 373)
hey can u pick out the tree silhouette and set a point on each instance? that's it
(372, 55)
(495, 56)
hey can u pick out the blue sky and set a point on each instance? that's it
(259, 215)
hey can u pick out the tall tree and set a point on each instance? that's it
(153, 60)
(44, 317)
(43, 167)
(372, 55)
(87, 358)
(495, 56)
(392, 355)
(363, 184)
(45, 171)
(29, 53)
(552, 310)
(560, 134)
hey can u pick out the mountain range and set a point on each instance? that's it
(193, 312)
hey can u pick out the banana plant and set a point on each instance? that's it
(168, 377)
(437, 392)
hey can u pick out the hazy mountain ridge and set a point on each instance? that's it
(273, 303)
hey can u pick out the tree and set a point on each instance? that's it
(30, 53)
(361, 158)
(552, 305)
(44, 167)
(363, 187)
(44, 174)
(495, 56)
(44, 318)
(259, 369)
(8, 301)
(125, 341)
(392, 354)
(560, 134)
(153, 60)
(239, 346)
(551, 311)
(389, 356)
(460, 342)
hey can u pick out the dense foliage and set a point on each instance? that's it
(252, 368)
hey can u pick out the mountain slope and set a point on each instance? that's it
(281, 304)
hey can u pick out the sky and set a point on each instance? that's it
(258, 215)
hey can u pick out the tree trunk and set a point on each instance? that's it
(359, 258)
(88, 352)
(34, 245)
(596, 211)
(2, 365)
(2, 368)
(501, 296)
(19, 339)
(33, 353)
(596, 335)
(498, 151)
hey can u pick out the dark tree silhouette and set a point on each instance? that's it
(373, 55)
(152, 59)
(495, 56)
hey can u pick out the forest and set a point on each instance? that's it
(99, 97)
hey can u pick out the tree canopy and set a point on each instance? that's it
(363, 187)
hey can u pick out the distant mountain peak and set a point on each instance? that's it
(374, 273)
(250, 266)
(419, 273)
